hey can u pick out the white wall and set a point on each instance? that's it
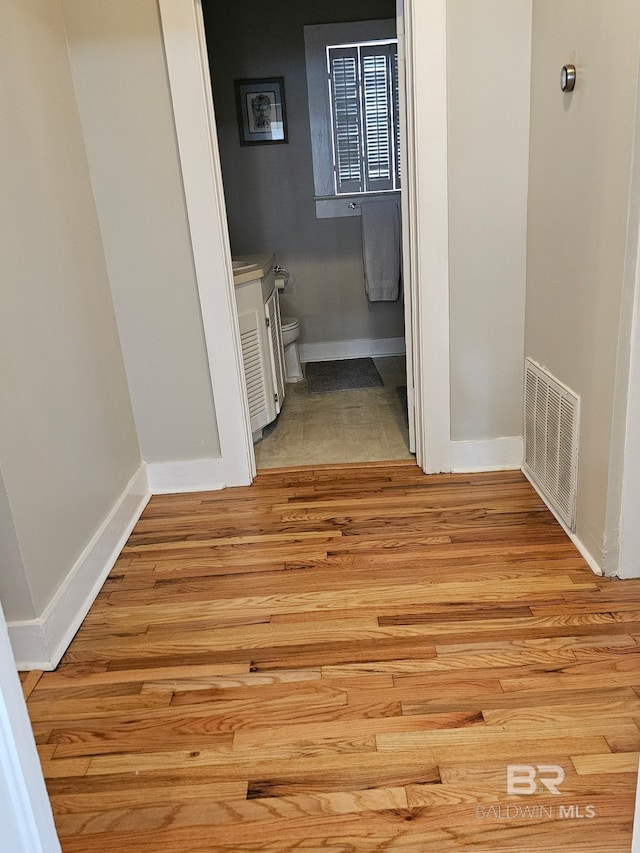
(489, 67)
(579, 195)
(67, 436)
(125, 109)
(269, 189)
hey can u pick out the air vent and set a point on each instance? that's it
(551, 419)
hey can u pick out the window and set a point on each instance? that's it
(363, 96)
(352, 83)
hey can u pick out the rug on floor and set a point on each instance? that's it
(348, 374)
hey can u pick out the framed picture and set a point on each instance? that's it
(262, 116)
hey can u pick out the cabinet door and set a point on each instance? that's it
(256, 369)
(272, 311)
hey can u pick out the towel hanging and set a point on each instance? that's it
(381, 249)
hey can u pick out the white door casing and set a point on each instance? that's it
(622, 532)
(426, 226)
(406, 140)
(25, 811)
(190, 86)
(422, 25)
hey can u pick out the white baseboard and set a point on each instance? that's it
(193, 475)
(496, 454)
(588, 556)
(40, 643)
(362, 348)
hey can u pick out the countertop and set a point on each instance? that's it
(258, 266)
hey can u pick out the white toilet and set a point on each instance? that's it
(290, 334)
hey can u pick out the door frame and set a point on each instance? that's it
(425, 225)
(628, 563)
(25, 809)
(622, 532)
(422, 38)
(188, 74)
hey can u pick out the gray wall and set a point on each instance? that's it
(489, 68)
(269, 189)
(581, 154)
(125, 109)
(68, 444)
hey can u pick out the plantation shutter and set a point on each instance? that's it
(346, 119)
(377, 116)
(363, 82)
(396, 112)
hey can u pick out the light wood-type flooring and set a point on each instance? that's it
(366, 425)
(347, 659)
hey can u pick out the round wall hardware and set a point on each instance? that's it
(568, 78)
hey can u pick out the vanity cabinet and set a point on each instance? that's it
(262, 349)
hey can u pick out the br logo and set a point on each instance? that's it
(525, 778)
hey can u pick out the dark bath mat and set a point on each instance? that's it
(348, 374)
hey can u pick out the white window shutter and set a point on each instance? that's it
(396, 113)
(347, 143)
(363, 86)
(377, 117)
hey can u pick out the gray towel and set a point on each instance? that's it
(381, 248)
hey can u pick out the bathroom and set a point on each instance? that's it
(269, 193)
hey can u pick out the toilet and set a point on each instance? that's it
(290, 333)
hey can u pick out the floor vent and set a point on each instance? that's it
(551, 419)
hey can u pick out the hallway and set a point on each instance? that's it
(346, 658)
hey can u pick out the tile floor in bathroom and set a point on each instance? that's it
(367, 425)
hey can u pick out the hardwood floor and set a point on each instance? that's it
(347, 659)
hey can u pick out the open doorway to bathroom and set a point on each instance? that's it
(350, 404)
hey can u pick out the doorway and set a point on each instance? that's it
(425, 218)
(345, 396)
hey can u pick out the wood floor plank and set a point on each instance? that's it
(132, 800)
(231, 811)
(530, 716)
(443, 746)
(620, 762)
(69, 677)
(345, 658)
(29, 682)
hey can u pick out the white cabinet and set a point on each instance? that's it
(262, 350)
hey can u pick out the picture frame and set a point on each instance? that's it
(262, 114)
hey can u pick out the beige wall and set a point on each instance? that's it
(125, 109)
(489, 56)
(14, 586)
(581, 150)
(269, 189)
(68, 444)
